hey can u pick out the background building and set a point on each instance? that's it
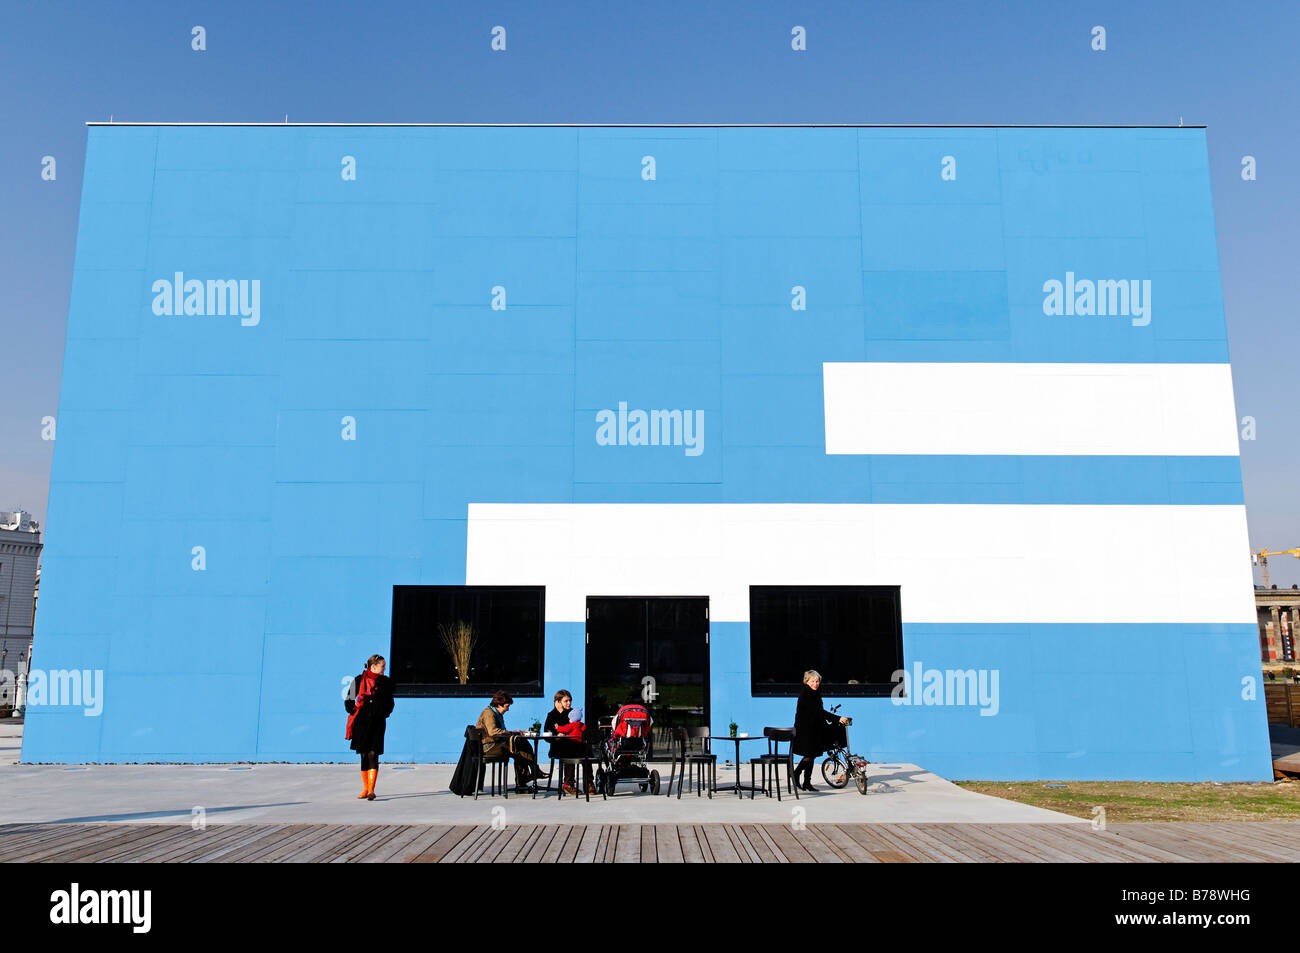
(20, 554)
(1278, 611)
(667, 411)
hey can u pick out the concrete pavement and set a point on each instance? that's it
(417, 794)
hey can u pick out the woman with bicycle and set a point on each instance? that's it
(812, 728)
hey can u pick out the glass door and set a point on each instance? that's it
(653, 650)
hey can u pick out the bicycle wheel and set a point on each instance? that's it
(834, 771)
(861, 779)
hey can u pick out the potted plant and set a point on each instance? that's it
(731, 728)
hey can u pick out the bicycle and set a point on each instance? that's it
(841, 764)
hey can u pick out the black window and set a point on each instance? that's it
(852, 635)
(458, 641)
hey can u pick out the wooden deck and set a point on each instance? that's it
(1260, 841)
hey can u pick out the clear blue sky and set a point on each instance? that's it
(1230, 67)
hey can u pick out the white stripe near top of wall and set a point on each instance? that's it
(1121, 409)
(955, 562)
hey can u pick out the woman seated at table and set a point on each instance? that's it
(562, 720)
(498, 741)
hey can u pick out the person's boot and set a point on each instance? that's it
(372, 774)
(365, 785)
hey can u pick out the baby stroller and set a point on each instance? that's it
(622, 756)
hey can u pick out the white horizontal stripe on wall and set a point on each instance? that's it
(1121, 409)
(955, 562)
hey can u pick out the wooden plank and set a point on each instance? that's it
(569, 852)
(587, 846)
(141, 850)
(904, 843)
(1035, 837)
(649, 853)
(819, 850)
(957, 836)
(884, 850)
(832, 843)
(1231, 846)
(197, 844)
(627, 847)
(446, 841)
(668, 845)
(491, 839)
(330, 842)
(25, 839)
(720, 846)
(702, 840)
(1168, 840)
(470, 846)
(514, 846)
(1082, 842)
(938, 845)
(740, 842)
(852, 851)
(121, 839)
(20, 843)
(607, 834)
(295, 838)
(778, 856)
(90, 843)
(758, 844)
(690, 845)
(1241, 834)
(554, 849)
(785, 844)
(541, 840)
(356, 849)
(394, 846)
(82, 837)
(233, 850)
(1018, 847)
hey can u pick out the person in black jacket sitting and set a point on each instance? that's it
(812, 728)
(369, 702)
(568, 747)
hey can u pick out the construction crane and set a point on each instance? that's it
(1260, 559)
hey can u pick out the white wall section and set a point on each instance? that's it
(954, 408)
(955, 562)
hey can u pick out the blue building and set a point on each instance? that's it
(668, 412)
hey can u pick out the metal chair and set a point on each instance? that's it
(500, 764)
(695, 763)
(773, 760)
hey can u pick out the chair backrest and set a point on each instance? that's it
(473, 733)
(776, 736)
(682, 739)
(703, 733)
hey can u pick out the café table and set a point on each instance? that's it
(737, 738)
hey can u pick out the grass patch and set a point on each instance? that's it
(1153, 801)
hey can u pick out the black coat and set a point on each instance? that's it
(812, 723)
(368, 728)
(462, 779)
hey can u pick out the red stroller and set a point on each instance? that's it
(624, 751)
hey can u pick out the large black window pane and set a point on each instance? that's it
(852, 635)
(506, 624)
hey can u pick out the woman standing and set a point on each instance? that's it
(812, 724)
(369, 702)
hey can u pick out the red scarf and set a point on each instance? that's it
(365, 688)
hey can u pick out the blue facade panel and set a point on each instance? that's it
(442, 329)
